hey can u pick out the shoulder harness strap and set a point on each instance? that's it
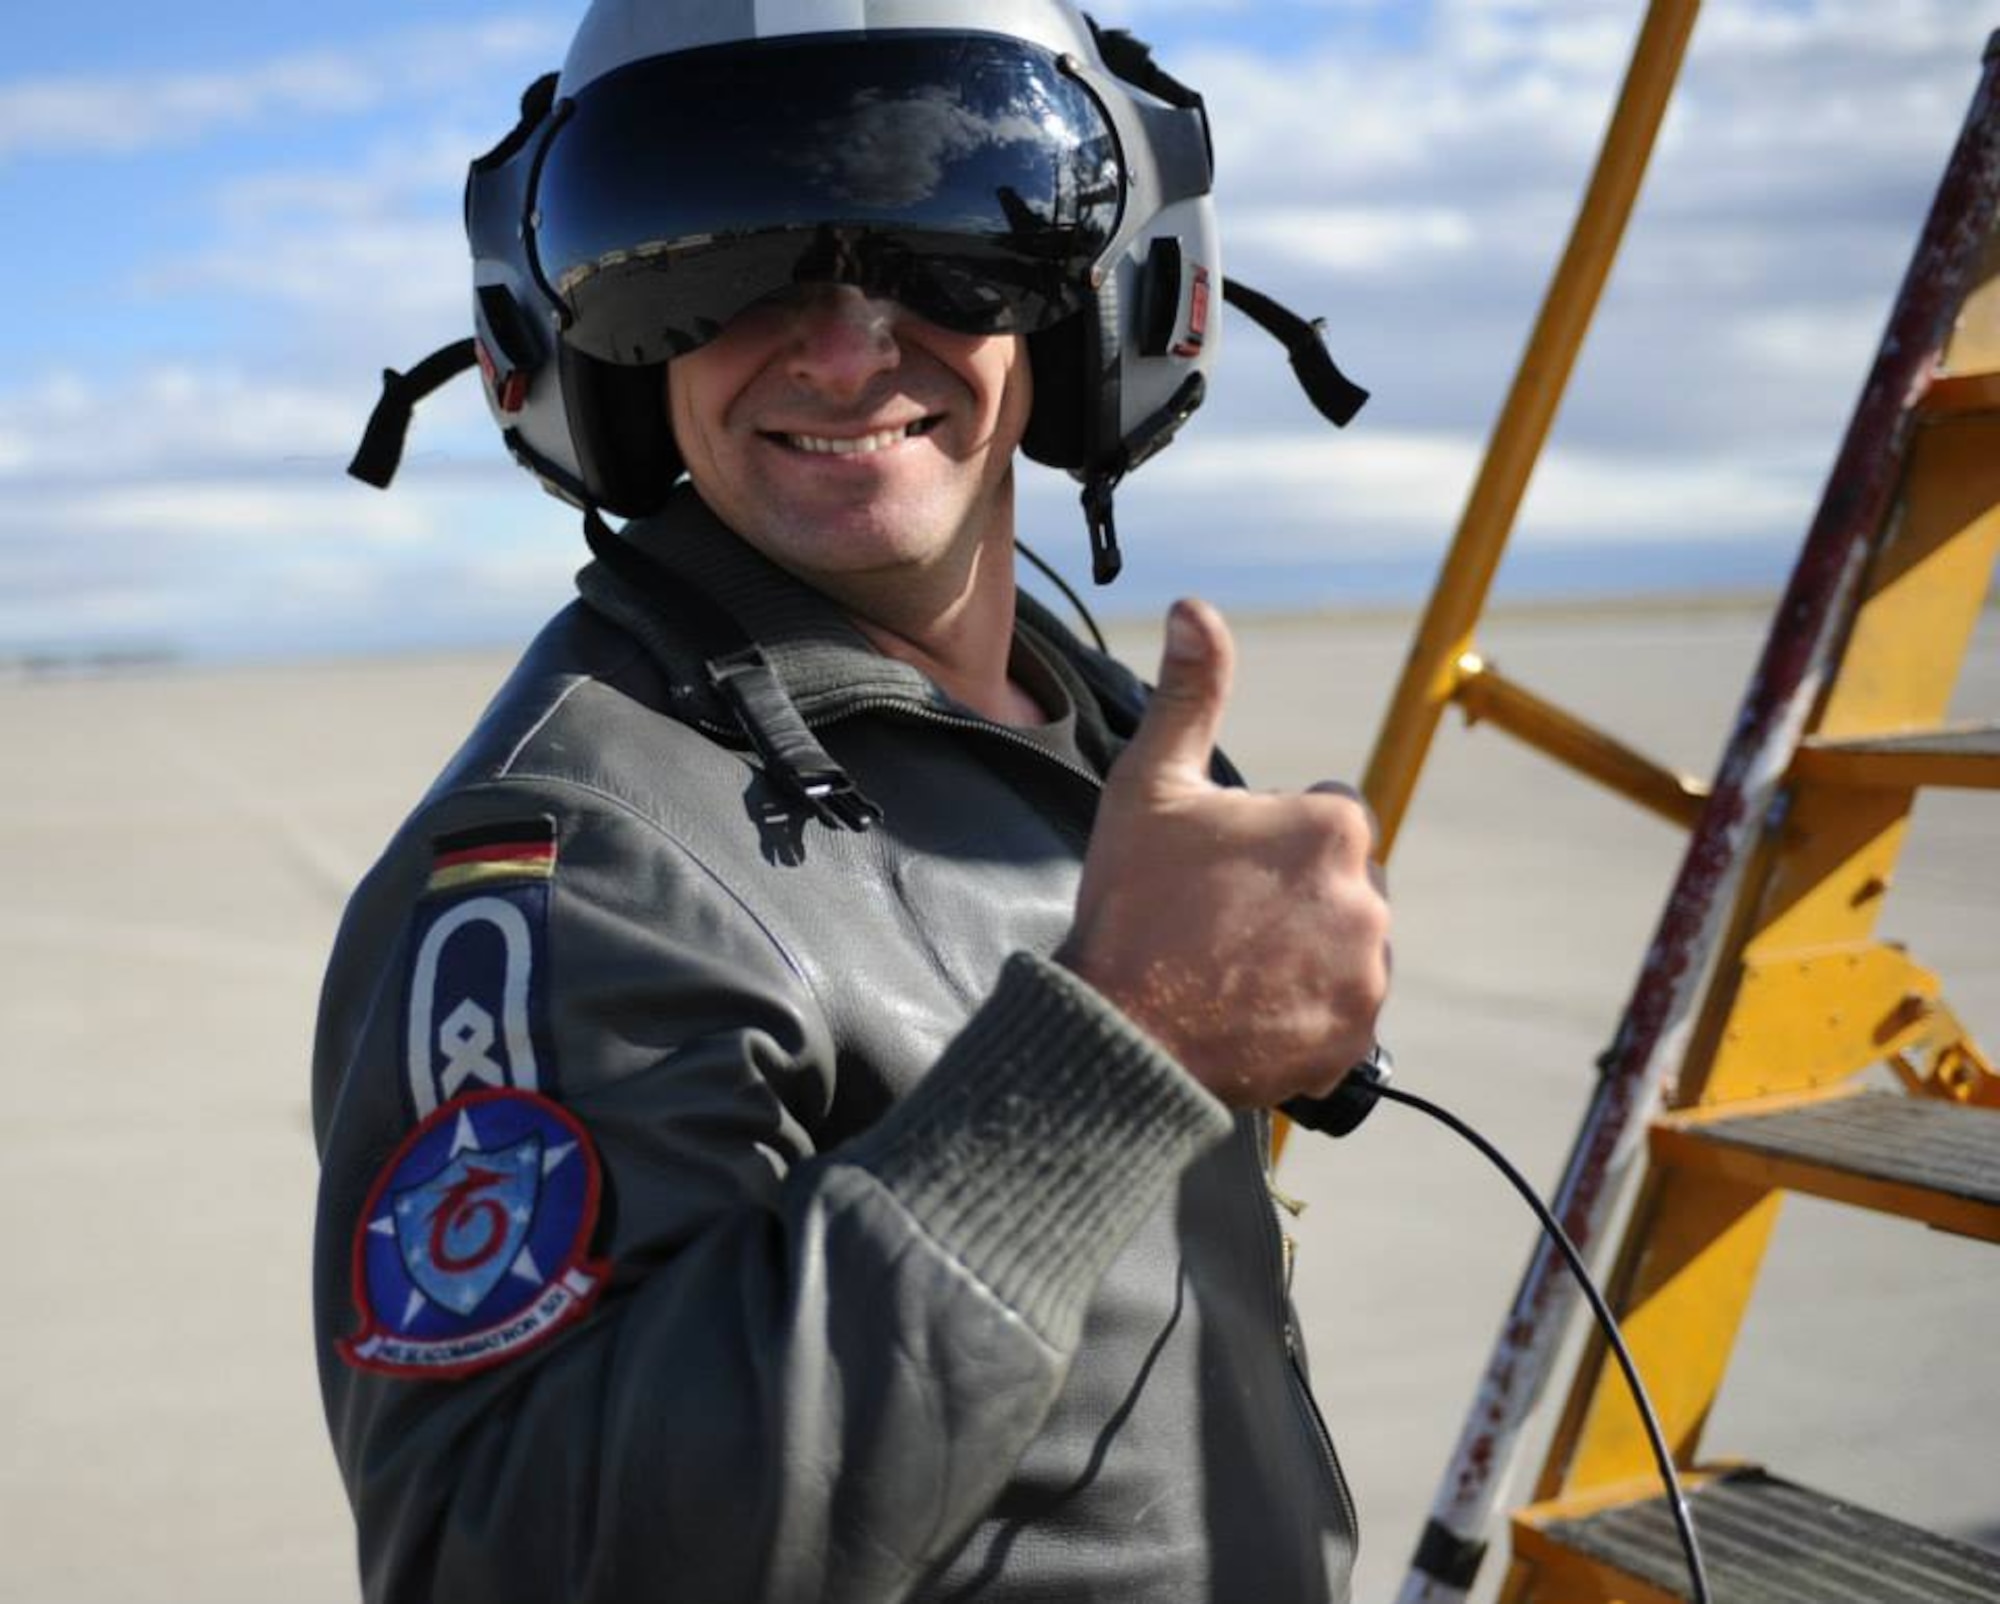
(743, 677)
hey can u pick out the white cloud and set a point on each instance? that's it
(287, 565)
(114, 116)
(412, 163)
(1427, 127)
(367, 260)
(1540, 37)
(1285, 495)
(1859, 31)
(1606, 498)
(222, 513)
(108, 116)
(1357, 241)
(171, 421)
(371, 269)
(1813, 345)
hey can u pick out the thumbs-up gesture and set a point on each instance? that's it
(1246, 933)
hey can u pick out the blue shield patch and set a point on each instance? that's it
(461, 1229)
(474, 1243)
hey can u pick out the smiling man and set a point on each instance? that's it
(792, 1099)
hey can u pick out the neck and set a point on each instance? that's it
(965, 646)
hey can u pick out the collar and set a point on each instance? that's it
(825, 664)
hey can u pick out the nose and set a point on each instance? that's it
(840, 339)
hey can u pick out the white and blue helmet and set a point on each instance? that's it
(1004, 167)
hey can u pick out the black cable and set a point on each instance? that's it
(1062, 585)
(1676, 1499)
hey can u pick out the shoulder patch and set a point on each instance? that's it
(475, 1010)
(474, 1244)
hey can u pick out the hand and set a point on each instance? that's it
(1246, 933)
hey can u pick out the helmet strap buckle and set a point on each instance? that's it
(1105, 558)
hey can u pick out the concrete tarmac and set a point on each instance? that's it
(184, 841)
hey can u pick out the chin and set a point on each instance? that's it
(868, 539)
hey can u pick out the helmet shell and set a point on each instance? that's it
(615, 33)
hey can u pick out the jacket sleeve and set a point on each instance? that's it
(810, 1371)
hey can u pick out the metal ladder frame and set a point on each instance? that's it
(1834, 602)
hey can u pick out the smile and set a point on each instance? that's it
(855, 445)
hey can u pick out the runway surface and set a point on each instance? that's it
(183, 842)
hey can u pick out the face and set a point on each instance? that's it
(851, 441)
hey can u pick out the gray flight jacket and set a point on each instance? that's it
(913, 1271)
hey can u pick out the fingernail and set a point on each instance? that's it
(1184, 639)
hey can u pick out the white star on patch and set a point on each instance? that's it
(465, 1136)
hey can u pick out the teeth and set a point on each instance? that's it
(852, 445)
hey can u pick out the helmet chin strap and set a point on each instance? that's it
(1106, 561)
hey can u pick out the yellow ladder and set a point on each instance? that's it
(1765, 996)
(1770, 1094)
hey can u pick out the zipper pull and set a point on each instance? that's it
(1294, 1206)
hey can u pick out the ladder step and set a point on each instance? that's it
(1920, 1157)
(1967, 756)
(1763, 1541)
(1959, 395)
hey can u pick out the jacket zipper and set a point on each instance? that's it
(732, 735)
(1274, 1240)
(930, 715)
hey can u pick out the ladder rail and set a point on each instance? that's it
(1432, 676)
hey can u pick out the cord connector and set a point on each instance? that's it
(1347, 1105)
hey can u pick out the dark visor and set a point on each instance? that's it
(967, 176)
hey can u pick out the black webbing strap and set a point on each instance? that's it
(380, 453)
(1131, 58)
(793, 758)
(1336, 396)
(791, 753)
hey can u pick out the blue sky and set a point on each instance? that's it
(226, 220)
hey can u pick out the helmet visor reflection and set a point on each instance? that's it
(966, 176)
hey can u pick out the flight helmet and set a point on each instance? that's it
(1004, 167)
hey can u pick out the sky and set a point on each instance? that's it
(224, 222)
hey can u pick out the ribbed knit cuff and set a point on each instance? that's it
(1048, 1130)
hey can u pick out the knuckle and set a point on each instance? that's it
(1342, 825)
(1352, 804)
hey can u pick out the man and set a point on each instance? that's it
(792, 1125)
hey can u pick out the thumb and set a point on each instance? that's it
(1177, 735)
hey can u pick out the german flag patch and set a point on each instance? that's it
(492, 854)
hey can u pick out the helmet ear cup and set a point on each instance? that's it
(1075, 421)
(1057, 425)
(618, 418)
